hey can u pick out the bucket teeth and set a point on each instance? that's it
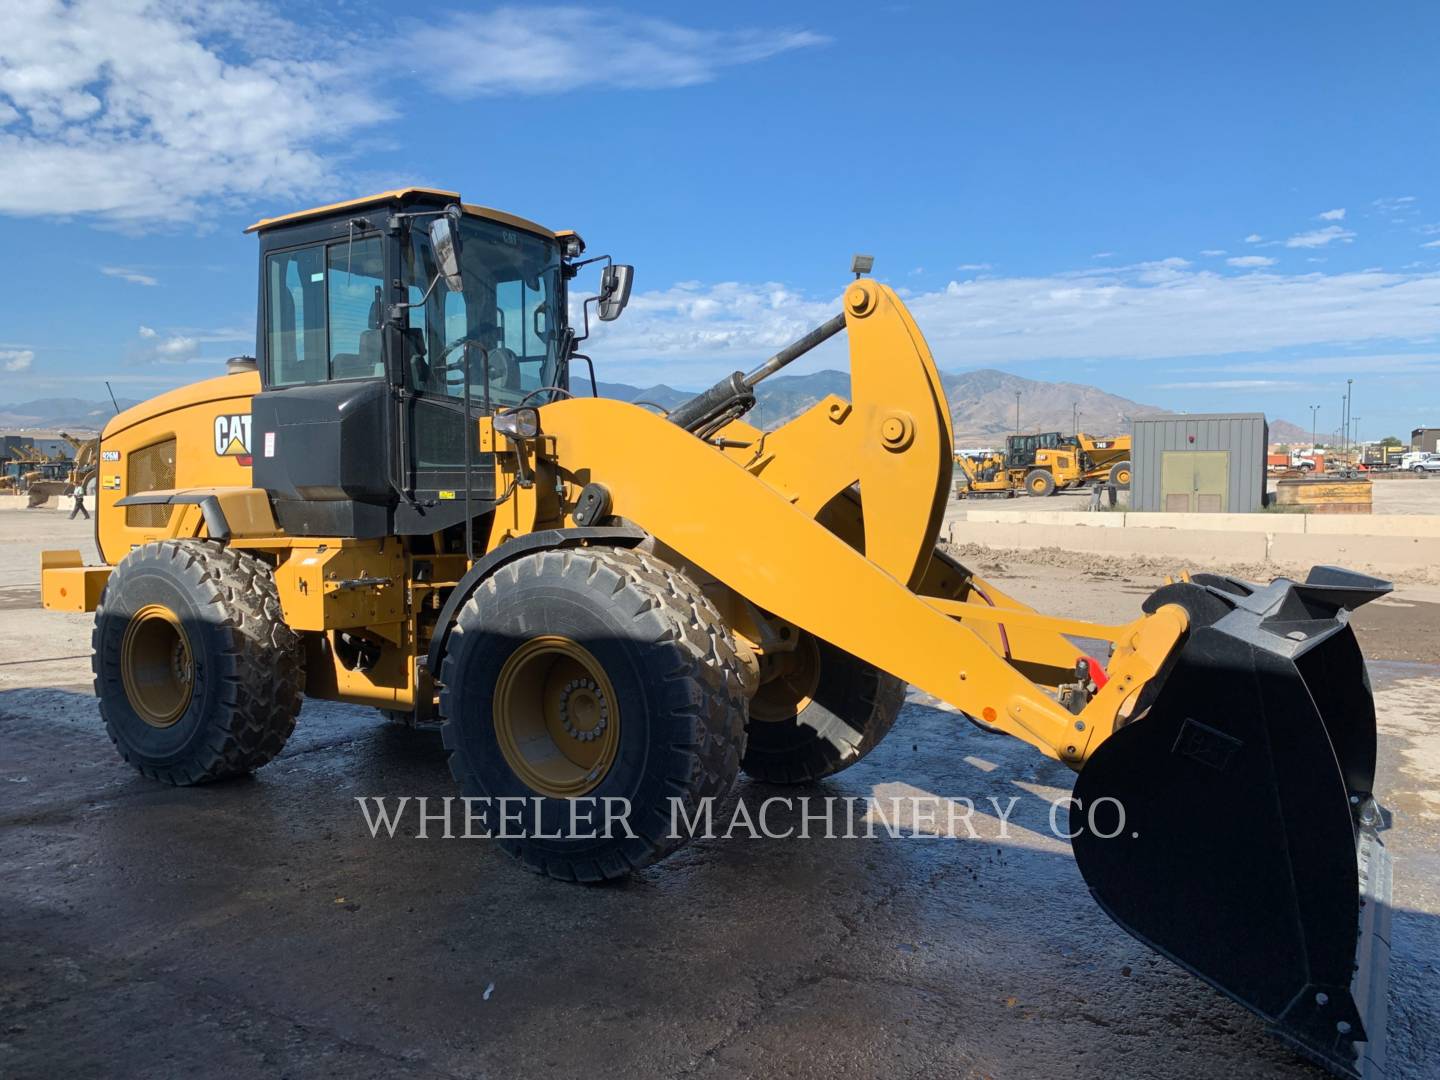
(1238, 830)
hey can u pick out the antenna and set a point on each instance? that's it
(112, 397)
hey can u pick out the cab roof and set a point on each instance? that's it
(398, 195)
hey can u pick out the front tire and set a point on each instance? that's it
(1040, 483)
(820, 712)
(1120, 475)
(591, 674)
(197, 674)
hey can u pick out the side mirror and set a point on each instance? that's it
(614, 291)
(445, 240)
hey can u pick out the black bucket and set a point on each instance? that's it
(1231, 826)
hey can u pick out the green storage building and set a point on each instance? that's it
(1199, 463)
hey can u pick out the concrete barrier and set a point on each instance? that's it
(1227, 523)
(1275, 524)
(1237, 547)
(1102, 520)
(53, 502)
(1382, 543)
(1418, 525)
(1385, 553)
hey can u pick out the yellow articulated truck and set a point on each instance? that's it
(408, 500)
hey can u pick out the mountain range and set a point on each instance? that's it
(982, 403)
(75, 415)
(982, 406)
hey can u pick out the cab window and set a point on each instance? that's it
(295, 338)
(355, 278)
(325, 312)
(501, 334)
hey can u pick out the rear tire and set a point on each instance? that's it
(1040, 483)
(1120, 475)
(622, 648)
(807, 728)
(197, 674)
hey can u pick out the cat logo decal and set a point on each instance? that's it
(232, 436)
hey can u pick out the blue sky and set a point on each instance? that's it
(1206, 207)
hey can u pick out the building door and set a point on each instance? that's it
(1195, 481)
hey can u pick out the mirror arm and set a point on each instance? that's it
(606, 259)
(397, 309)
(585, 313)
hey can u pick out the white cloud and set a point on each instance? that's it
(1254, 238)
(1246, 262)
(169, 348)
(178, 347)
(15, 360)
(137, 110)
(1213, 253)
(1320, 237)
(1393, 203)
(549, 50)
(974, 266)
(1348, 364)
(140, 111)
(125, 273)
(1432, 243)
(1103, 255)
(692, 333)
(1337, 214)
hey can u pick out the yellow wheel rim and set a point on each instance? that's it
(788, 681)
(157, 666)
(556, 717)
(1123, 476)
(1037, 486)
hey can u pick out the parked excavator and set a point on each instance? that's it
(407, 500)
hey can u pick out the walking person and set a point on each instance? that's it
(79, 504)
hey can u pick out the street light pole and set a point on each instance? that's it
(1314, 410)
(1017, 412)
(1075, 418)
(1350, 385)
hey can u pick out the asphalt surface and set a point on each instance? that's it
(255, 929)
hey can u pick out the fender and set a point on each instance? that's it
(230, 513)
(509, 551)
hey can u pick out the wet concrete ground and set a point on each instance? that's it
(255, 929)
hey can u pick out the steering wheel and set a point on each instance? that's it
(442, 363)
(501, 365)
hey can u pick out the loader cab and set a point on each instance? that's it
(1020, 450)
(375, 364)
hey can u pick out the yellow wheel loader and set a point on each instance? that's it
(1026, 465)
(1054, 462)
(407, 500)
